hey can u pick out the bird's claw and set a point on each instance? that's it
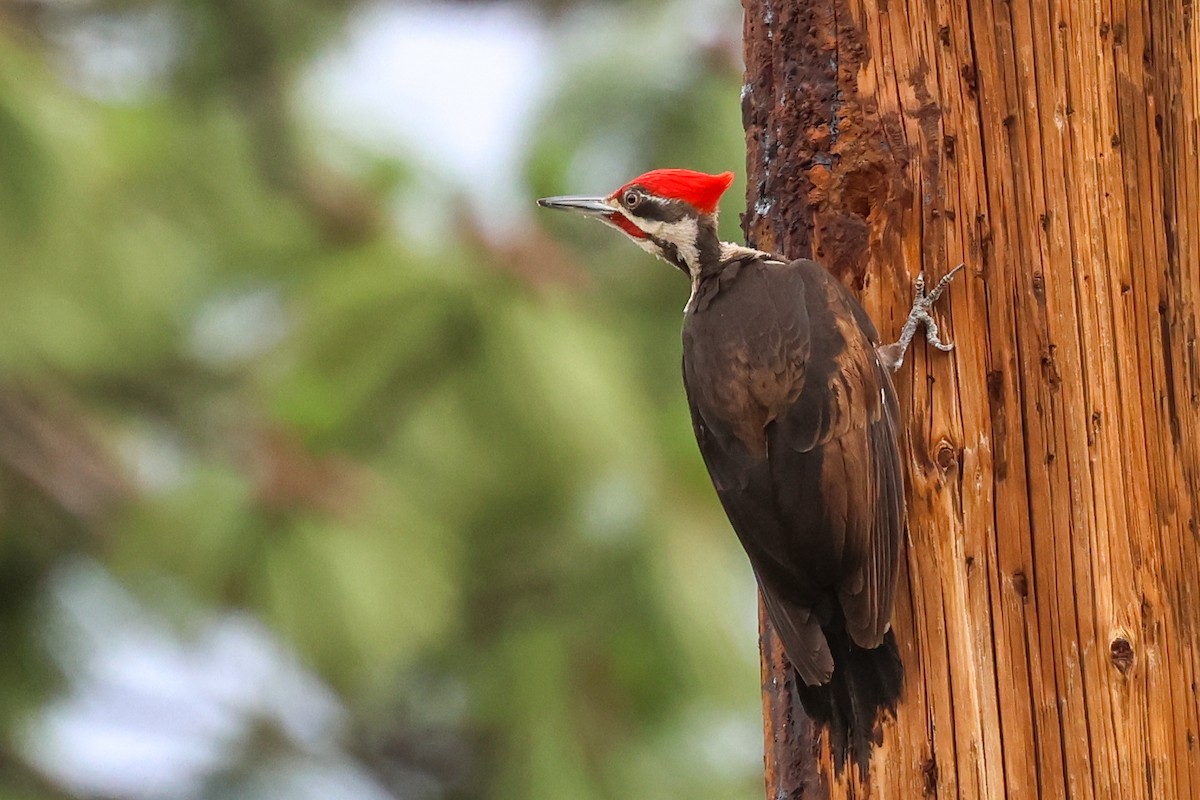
(932, 297)
(893, 354)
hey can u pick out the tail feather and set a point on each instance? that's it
(864, 687)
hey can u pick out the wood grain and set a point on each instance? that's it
(1049, 615)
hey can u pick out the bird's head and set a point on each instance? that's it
(671, 213)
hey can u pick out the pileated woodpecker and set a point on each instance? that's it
(796, 416)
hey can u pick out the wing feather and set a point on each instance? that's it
(797, 422)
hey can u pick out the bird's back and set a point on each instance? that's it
(796, 419)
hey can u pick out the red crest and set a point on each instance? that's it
(703, 191)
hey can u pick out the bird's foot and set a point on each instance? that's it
(892, 355)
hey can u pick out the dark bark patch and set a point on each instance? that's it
(996, 392)
(1020, 585)
(970, 80)
(843, 248)
(820, 184)
(1094, 429)
(1050, 367)
(1170, 388)
(929, 776)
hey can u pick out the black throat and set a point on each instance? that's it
(708, 247)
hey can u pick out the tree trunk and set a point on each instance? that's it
(1049, 608)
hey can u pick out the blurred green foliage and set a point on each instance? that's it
(457, 479)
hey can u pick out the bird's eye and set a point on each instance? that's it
(631, 199)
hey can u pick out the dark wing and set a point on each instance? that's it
(843, 431)
(797, 422)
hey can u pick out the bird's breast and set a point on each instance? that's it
(744, 365)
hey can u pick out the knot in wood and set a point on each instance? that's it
(946, 456)
(1121, 653)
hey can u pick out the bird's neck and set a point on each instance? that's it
(739, 252)
(704, 255)
(708, 249)
(697, 254)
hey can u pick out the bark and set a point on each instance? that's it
(1049, 609)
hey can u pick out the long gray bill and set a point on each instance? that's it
(581, 204)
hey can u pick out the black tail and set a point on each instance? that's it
(864, 688)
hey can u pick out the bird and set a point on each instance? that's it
(796, 417)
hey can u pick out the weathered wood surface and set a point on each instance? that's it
(1049, 612)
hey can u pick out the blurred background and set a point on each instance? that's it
(329, 467)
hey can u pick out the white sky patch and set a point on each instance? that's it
(119, 56)
(727, 745)
(233, 328)
(455, 86)
(152, 713)
(154, 455)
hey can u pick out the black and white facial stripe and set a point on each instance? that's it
(675, 230)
